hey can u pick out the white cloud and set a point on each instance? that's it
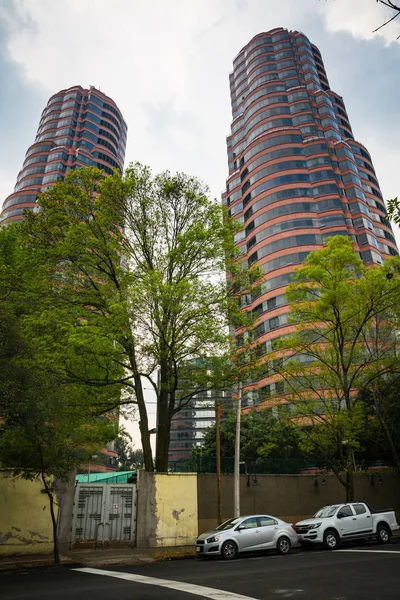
(361, 18)
(164, 61)
(166, 64)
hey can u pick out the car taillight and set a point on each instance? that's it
(294, 527)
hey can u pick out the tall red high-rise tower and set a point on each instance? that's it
(78, 127)
(296, 174)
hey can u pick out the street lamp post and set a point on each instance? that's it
(218, 457)
(93, 456)
(236, 469)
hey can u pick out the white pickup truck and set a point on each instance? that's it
(337, 523)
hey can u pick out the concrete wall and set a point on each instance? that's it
(25, 521)
(65, 494)
(167, 512)
(290, 497)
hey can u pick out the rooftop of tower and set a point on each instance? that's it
(270, 32)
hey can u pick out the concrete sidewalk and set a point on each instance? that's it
(98, 557)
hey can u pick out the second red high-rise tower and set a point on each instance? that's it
(296, 175)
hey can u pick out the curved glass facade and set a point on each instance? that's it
(78, 127)
(296, 174)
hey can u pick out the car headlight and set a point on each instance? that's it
(214, 538)
(315, 525)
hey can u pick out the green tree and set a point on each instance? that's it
(47, 425)
(345, 320)
(382, 397)
(262, 435)
(394, 210)
(129, 458)
(10, 338)
(136, 264)
(49, 433)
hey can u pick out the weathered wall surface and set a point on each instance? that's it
(167, 509)
(176, 509)
(25, 521)
(65, 492)
(290, 497)
(146, 522)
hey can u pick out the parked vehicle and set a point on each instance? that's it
(247, 534)
(336, 523)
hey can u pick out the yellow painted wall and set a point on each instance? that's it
(176, 509)
(25, 521)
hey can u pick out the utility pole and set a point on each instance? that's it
(236, 469)
(218, 457)
(90, 459)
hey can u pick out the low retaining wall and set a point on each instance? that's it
(25, 520)
(167, 512)
(172, 509)
(290, 497)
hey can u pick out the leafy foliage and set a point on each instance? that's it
(262, 435)
(382, 400)
(48, 424)
(129, 458)
(393, 206)
(345, 320)
(130, 275)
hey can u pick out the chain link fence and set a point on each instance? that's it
(265, 466)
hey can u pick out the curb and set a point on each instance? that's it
(125, 562)
(170, 558)
(24, 566)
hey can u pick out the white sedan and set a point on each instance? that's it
(247, 534)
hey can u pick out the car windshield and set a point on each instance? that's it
(326, 512)
(228, 524)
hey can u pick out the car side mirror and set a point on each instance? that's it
(341, 515)
(240, 527)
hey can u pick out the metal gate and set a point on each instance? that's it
(104, 513)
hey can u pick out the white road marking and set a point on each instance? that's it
(189, 588)
(373, 551)
(288, 593)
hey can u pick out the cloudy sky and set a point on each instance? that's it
(166, 64)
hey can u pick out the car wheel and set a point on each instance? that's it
(306, 546)
(229, 550)
(331, 539)
(383, 534)
(283, 545)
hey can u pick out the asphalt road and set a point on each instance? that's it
(368, 572)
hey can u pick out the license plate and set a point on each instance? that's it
(198, 548)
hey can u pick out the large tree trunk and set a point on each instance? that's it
(144, 421)
(49, 492)
(348, 451)
(350, 486)
(144, 430)
(349, 475)
(163, 438)
(347, 482)
(165, 412)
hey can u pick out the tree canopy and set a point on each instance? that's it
(344, 339)
(262, 435)
(130, 272)
(129, 457)
(48, 424)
